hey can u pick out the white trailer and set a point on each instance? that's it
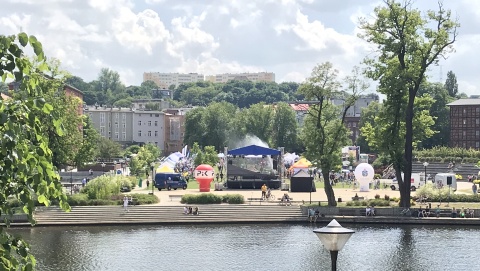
(446, 179)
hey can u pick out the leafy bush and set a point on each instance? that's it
(378, 202)
(233, 199)
(201, 199)
(377, 196)
(103, 187)
(83, 200)
(386, 197)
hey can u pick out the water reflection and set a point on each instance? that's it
(249, 247)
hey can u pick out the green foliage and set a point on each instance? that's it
(82, 199)
(88, 150)
(207, 198)
(108, 149)
(442, 154)
(285, 127)
(324, 132)
(146, 155)
(258, 120)
(233, 199)
(407, 44)
(103, 187)
(25, 156)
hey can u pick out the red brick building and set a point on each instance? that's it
(465, 123)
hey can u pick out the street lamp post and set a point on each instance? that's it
(333, 238)
(425, 165)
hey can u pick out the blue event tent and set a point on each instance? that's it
(254, 150)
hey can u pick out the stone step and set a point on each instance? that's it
(84, 215)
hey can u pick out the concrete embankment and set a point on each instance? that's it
(225, 213)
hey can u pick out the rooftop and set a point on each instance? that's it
(465, 102)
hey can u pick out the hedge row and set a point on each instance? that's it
(453, 154)
(210, 198)
(83, 200)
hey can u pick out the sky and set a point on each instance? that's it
(286, 37)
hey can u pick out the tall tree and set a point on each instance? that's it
(258, 121)
(451, 84)
(217, 119)
(108, 149)
(324, 132)
(194, 126)
(407, 45)
(285, 128)
(440, 112)
(25, 158)
(369, 114)
(88, 151)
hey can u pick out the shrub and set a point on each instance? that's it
(233, 199)
(79, 199)
(377, 196)
(83, 200)
(378, 202)
(103, 187)
(386, 197)
(207, 198)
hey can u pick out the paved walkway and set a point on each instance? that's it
(345, 193)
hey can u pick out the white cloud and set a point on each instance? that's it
(141, 30)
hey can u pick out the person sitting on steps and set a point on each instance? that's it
(286, 199)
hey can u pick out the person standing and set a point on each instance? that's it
(264, 191)
(125, 203)
(148, 184)
(474, 189)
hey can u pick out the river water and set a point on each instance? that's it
(250, 247)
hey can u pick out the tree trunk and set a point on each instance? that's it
(407, 168)
(328, 189)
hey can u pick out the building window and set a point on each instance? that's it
(116, 125)
(139, 123)
(116, 116)
(149, 133)
(477, 144)
(116, 135)
(349, 124)
(139, 133)
(102, 130)
(464, 133)
(354, 124)
(124, 136)
(157, 115)
(124, 125)
(149, 123)
(477, 121)
(156, 133)
(477, 110)
(156, 123)
(477, 133)
(102, 117)
(124, 116)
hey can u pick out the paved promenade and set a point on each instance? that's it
(345, 193)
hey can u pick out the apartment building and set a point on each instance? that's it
(164, 128)
(465, 123)
(149, 127)
(164, 80)
(113, 123)
(254, 77)
(142, 104)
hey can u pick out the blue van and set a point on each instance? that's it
(169, 181)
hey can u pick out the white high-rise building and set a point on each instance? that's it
(164, 80)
